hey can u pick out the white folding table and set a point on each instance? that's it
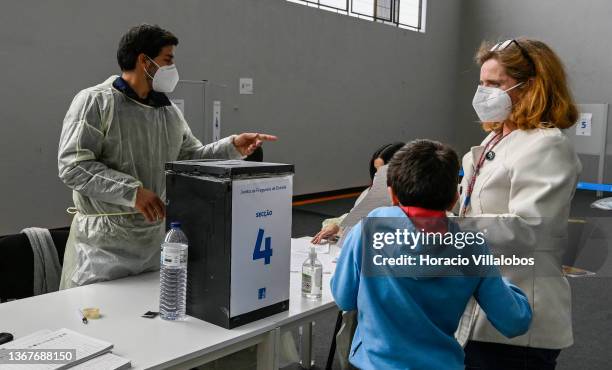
(159, 344)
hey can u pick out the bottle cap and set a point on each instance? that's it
(175, 225)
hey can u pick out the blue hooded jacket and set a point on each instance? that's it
(408, 322)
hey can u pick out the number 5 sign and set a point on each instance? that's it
(583, 126)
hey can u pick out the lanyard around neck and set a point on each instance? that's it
(488, 148)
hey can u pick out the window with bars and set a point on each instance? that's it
(401, 13)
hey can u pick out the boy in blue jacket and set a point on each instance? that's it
(408, 322)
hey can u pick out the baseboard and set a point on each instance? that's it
(327, 195)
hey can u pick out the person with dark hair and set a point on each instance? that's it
(382, 155)
(424, 174)
(409, 321)
(116, 138)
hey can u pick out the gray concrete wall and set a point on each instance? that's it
(332, 87)
(577, 31)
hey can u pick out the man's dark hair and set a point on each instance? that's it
(424, 173)
(143, 38)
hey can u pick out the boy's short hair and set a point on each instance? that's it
(424, 173)
(144, 38)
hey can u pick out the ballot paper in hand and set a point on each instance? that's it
(378, 196)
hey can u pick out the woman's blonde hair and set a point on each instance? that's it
(545, 100)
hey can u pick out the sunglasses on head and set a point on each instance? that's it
(504, 44)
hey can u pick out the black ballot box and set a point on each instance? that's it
(237, 218)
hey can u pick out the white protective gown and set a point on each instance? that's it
(111, 145)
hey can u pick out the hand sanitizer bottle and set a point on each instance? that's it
(312, 277)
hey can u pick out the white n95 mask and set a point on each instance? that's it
(165, 78)
(492, 104)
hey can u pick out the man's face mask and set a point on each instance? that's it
(493, 104)
(165, 78)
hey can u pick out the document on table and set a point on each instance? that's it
(300, 249)
(303, 245)
(107, 361)
(378, 196)
(63, 339)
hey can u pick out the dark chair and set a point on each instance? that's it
(17, 263)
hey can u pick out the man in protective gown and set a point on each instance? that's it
(115, 140)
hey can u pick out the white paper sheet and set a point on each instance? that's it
(86, 347)
(299, 253)
(107, 361)
(303, 245)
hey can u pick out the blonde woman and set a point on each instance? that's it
(524, 169)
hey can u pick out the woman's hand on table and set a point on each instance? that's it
(325, 233)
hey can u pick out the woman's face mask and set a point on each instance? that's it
(165, 78)
(493, 104)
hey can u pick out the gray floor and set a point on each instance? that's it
(592, 297)
(591, 304)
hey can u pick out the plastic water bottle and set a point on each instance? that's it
(173, 274)
(312, 277)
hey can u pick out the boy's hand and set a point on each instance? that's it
(325, 233)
